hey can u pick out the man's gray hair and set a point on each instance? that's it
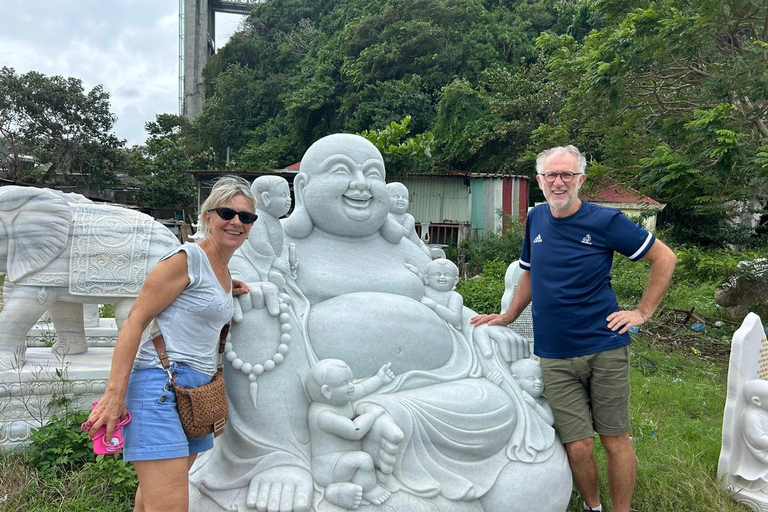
(573, 150)
(223, 190)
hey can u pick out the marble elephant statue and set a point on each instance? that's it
(59, 252)
(449, 429)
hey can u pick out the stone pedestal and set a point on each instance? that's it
(25, 393)
(103, 335)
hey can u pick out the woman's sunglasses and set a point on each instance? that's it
(229, 214)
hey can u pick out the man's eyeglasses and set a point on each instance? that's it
(229, 214)
(566, 176)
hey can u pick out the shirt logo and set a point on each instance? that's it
(537, 240)
(587, 240)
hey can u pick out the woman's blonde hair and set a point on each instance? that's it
(223, 190)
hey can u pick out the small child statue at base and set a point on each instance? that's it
(527, 373)
(751, 472)
(337, 429)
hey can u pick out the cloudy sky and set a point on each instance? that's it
(131, 47)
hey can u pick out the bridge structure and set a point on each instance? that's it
(197, 36)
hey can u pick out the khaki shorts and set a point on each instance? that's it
(589, 393)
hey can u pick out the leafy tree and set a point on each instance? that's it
(301, 70)
(671, 96)
(402, 155)
(162, 162)
(55, 120)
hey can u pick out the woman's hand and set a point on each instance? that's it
(109, 409)
(239, 287)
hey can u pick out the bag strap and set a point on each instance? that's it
(159, 342)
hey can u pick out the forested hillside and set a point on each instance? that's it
(669, 96)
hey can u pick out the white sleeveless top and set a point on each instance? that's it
(192, 322)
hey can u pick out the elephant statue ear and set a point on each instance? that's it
(37, 223)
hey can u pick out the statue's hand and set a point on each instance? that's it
(282, 265)
(528, 398)
(386, 374)
(495, 377)
(263, 294)
(428, 302)
(511, 345)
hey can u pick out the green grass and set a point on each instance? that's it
(677, 409)
(90, 489)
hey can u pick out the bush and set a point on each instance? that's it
(483, 292)
(59, 444)
(502, 247)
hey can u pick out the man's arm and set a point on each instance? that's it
(519, 302)
(663, 262)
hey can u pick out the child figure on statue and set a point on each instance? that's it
(398, 196)
(266, 238)
(439, 293)
(336, 431)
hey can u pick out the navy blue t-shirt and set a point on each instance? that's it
(570, 263)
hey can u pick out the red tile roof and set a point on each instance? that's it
(607, 190)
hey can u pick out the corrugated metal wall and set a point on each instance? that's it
(438, 199)
(448, 199)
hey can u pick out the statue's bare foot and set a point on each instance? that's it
(377, 495)
(345, 495)
(281, 489)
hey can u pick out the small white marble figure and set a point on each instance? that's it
(399, 202)
(266, 238)
(751, 472)
(441, 279)
(336, 430)
(468, 445)
(58, 250)
(743, 464)
(527, 374)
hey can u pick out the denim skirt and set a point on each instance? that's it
(155, 431)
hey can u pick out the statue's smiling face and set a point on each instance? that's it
(346, 193)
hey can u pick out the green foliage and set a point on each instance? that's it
(482, 293)
(502, 247)
(107, 311)
(107, 484)
(162, 162)
(402, 155)
(670, 97)
(61, 125)
(59, 444)
(301, 70)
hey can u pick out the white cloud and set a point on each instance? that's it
(129, 46)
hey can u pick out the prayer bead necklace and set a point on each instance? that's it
(254, 370)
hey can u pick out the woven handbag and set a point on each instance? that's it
(202, 410)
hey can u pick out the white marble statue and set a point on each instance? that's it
(440, 282)
(265, 242)
(59, 252)
(527, 374)
(743, 464)
(399, 201)
(468, 444)
(336, 430)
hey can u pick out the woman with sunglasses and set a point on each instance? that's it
(190, 294)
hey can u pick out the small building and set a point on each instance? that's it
(453, 206)
(638, 207)
(460, 204)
